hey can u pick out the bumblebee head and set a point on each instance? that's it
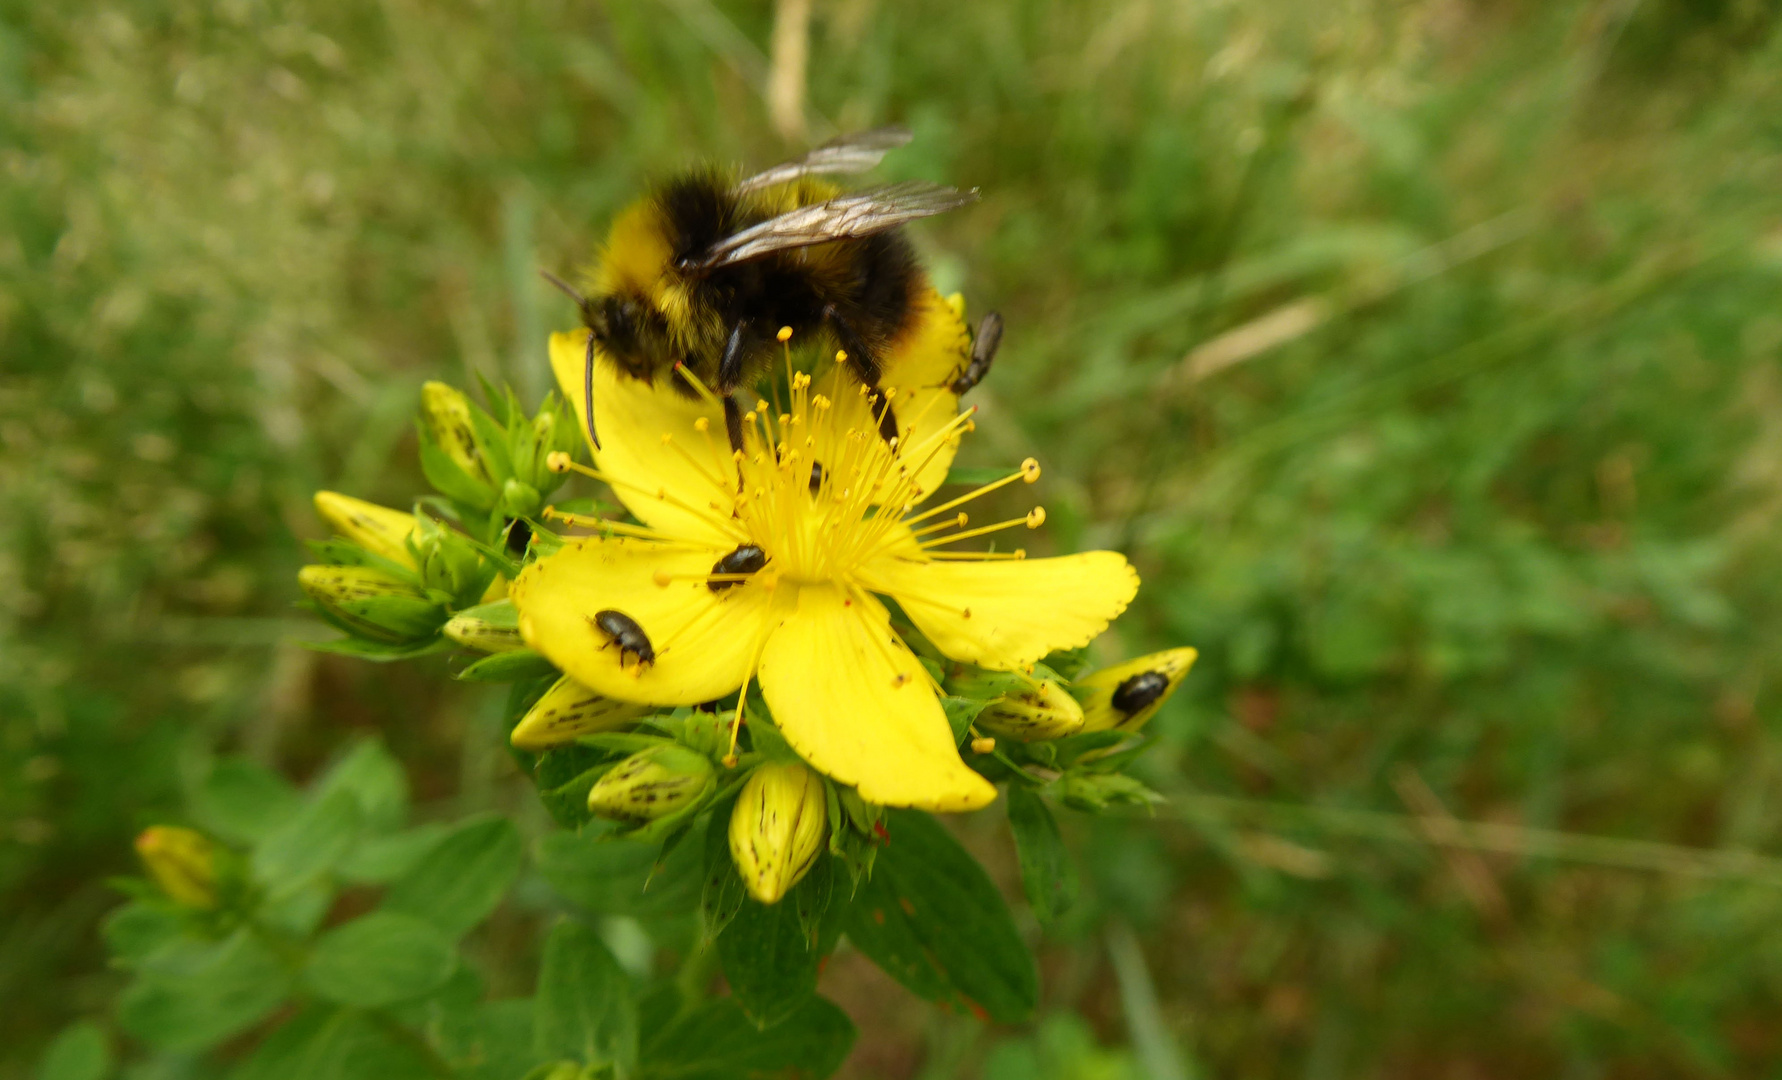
(632, 333)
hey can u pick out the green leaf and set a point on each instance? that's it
(137, 930)
(379, 860)
(961, 712)
(310, 843)
(722, 892)
(717, 1041)
(620, 877)
(584, 1008)
(242, 801)
(80, 1052)
(376, 779)
(769, 960)
(459, 882)
(510, 666)
(380, 959)
(1047, 872)
(195, 994)
(338, 1044)
(934, 921)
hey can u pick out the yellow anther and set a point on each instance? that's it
(785, 333)
(702, 425)
(962, 520)
(819, 402)
(983, 745)
(1020, 553)
(785, 418)
(663, 577)
(1036, 517)
(730, 759)
(749, 417)
(1030, 470)
(548, 512)
(890, 392)
(841, 356)
(557, 461)
(761, 406)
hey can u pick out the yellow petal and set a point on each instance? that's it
(1099, 710)
(856, 704)
(919, 369)
(656, 482)
(1007, 614)
(704, 641)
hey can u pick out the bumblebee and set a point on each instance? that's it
(705, 271)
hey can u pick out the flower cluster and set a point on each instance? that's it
(788, 631)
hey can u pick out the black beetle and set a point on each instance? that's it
(1140, 690)
(746, 559)
(622, 630)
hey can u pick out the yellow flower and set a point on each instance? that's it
(831, 510)
(182, 862)
(1127, 695)
(777, 828)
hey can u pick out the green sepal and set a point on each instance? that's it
(510, 666)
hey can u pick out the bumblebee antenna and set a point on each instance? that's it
(568, 289)
(588, 390)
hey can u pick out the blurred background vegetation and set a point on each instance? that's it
(1423, 354)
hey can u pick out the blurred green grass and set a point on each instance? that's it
(1424, 357)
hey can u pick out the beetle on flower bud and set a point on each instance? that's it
(1127, 695)
(653, 784)
(777, 828)
(182, 862)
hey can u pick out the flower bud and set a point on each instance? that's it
(483, 635)
(777, 828)
(182, 862)
(1127, 695)
(377, 529)
(519, 499)
(446, 412)
(567, 710)
(1043, 710)
(373, 602)
(652, 784)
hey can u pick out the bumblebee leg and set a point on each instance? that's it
(730, 365)
(733, 423)
(588, 391)
(866, 368)
(983, 354)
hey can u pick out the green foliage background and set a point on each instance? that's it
(1424, 357)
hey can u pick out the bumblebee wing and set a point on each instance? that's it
(853, 153)
(845, 217)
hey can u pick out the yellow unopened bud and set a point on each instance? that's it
(567, 710)
(652, 784)
(446, 412)
(1043, 711)
(182, 862)
(378, 529)
(1127, 695)
(482, 635)
(373, 602)
(777, 828)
